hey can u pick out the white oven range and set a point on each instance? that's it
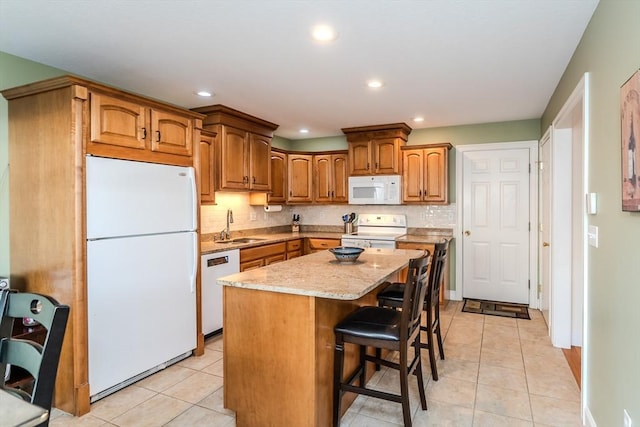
(377, 231)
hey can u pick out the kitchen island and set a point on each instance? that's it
(278, 333)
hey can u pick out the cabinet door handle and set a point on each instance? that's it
(367, 166)
(290, 193)
(332, 194)
(144, 133)
(376, 165)
(254, 179)
(420, 193)
(158, 132)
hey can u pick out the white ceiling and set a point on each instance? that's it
(453, 62)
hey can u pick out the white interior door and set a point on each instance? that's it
(545, 228)
(496, 224)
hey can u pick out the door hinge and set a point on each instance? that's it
(529, 225)
(541, 166)
(529, 284)
(529, 167)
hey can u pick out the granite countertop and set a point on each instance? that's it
(320, 275)
(429, 236)
(207, 247)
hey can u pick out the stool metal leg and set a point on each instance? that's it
(338, 360)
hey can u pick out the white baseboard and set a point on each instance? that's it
(452, 295)
(588, 418)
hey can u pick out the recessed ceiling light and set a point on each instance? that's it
(323, 33)
(375, 84)
(204, 93)
(304, 130)
(418, 119)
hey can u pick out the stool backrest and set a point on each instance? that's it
(415, 291)
(435, 276)
(40, 360)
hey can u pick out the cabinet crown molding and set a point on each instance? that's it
(68, 81)
(222, 115)
(392, 130)
(446, 145)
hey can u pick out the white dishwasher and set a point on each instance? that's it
(215, 265)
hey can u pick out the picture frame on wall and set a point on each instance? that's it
(630, 135)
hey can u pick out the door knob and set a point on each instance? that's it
(467, 233)
(545, 244)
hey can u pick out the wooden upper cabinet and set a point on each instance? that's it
(118, 122)
(385, 154)
(130, 128)
(359, 158)
(234, 169)
(425, 177)
(259, 162)
(330, 178)
(243, 148)
(375, 150)
(300, 175)
(278, 178)
(207, 181)
(171, 133)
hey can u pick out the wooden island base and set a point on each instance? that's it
(278, 356)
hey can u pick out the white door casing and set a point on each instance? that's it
(545, 226)
(498, 194)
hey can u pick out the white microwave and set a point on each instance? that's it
(375, 190)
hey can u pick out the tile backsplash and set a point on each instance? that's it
(213, 217)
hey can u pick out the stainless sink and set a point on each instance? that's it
(242, 240)
(247, 240)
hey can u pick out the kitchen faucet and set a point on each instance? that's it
(226, 233)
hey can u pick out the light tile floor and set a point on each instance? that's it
(497, 372)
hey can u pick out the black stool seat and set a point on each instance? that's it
(371, 323)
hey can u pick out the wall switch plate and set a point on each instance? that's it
(592, 235)
(4, 283)
(627, 419)
(253, 216)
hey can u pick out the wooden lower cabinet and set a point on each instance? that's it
(430, 247)
(260, 256)
(294, 248)
(316, 244)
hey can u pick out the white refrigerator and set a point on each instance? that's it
(141, 269)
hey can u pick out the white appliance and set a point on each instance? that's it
(141, 269)
(213, 267)
(375, 190)
(377, 231)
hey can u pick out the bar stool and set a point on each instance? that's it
(392, 296)
(384, 328)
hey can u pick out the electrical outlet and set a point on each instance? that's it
(627, 419)
(253, 216)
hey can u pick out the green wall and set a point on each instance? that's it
(14, 71)
(610, 52)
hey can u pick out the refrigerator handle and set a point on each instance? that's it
(195, 261)
(194, 198)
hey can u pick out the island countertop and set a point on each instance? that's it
(320, 275)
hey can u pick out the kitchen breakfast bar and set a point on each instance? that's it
(278, 333)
